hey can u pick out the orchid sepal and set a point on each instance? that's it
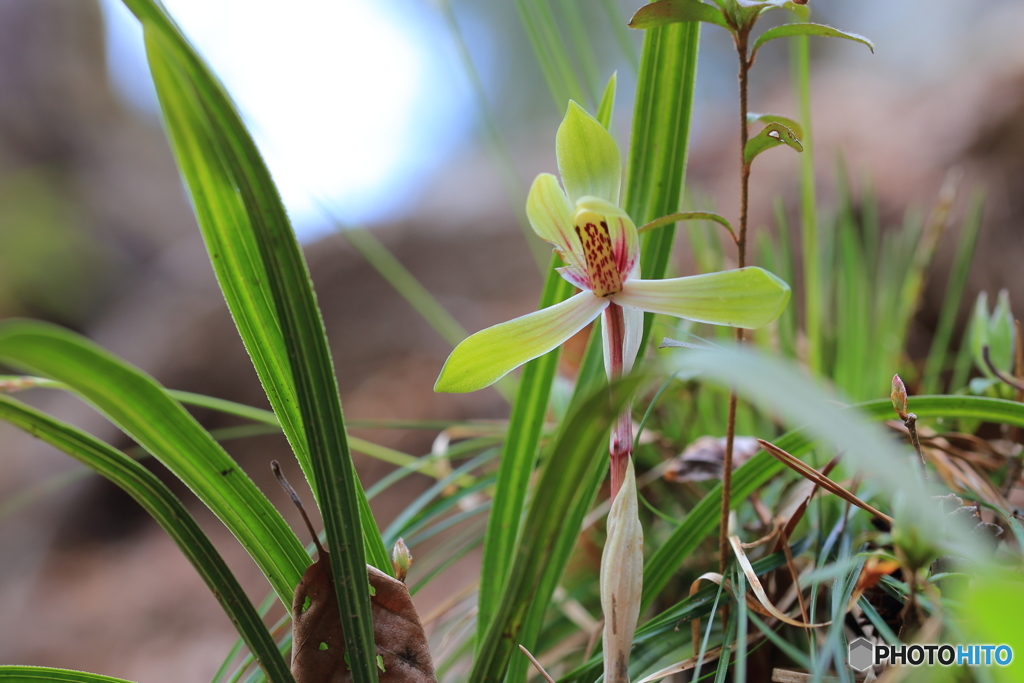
(487, 356)
(550, 214)
(746, 297)
(588, 158)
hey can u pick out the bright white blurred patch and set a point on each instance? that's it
(351, 102)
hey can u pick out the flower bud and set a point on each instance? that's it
(622, 573)
(899, 397)
(401, 560)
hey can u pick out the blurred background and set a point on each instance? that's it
(424, 120)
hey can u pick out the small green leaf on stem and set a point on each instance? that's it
(676, 11)
(687, 216)
(773, 135)
(765, 5)
(806, 29)
(775, 118)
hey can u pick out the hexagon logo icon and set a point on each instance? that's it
(861, 654)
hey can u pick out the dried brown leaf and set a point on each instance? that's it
(318, 650)
(702, 459)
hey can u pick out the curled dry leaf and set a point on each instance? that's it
(702, 459)
(318, 642)
(318, 650)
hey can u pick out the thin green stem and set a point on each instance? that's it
(915, 441)
(742, 36)
(404, 282)
(741, 48)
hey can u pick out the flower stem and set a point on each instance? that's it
(911, 424)
(741, 48)
(742, 36)
(621, 445)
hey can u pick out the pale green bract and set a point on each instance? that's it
(622, 579)
(599, 244)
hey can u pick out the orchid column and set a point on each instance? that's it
(599, 245)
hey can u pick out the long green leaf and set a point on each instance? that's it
(189, 111)
(660, 140)
(583, 44)
(266, 417)
(405, 283)
(210, 140)
(154, 496)
(703, 518)
(142, 409)
(549, 48)
(388, 455)
(515, 193)
(569, 457)
(954, 292)
(622, 37)
(235, 257)
(35, 674)
(560, 554)
(518, 457)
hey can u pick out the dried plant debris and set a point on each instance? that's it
(702, 459)
(318, 642)
(318, 645)
(318, 650)
(953, 506)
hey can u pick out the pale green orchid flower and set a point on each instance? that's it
(601, 249)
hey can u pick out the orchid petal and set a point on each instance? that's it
(633, 329)
(625, 244)
(598, 205)
(622, 574)
(487, 356)
(621, 231)
(588, 158)
(574, 277)
(550, 214)
(606, 346)
(746, 297)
